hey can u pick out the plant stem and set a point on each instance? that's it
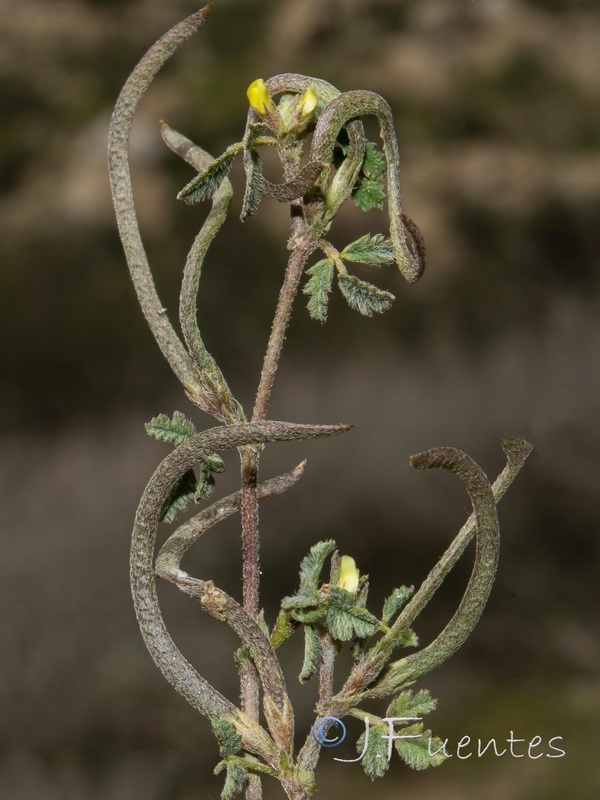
(310, 751)
(298, 257)
(249, 457)
(249, 680)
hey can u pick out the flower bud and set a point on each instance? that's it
(259, 97)
(308, 102)
(349, 575)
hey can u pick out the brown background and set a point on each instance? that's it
(496, 108)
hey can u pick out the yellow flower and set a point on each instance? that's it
(308, 102)
(259, 97)
(349, 575)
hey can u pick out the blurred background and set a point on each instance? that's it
(497, 114)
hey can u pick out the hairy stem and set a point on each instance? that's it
(328, 654)
(301, 252)
(179, 542)
(250, 460)
(309, 753)
(249, 680)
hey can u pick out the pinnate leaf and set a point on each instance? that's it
(215, 463)
(375, 760)
(395, 601)
(368, 193)
(175, 430)
(369, 250)
(312, 564)
(262, 622)
(374, 162)
(346, 621)
(312, 652)
(307, 615)
(318, 287)
(300, 600)
(282, 629)
(235, 779)
(409, 704)
(206, 481)
(227, 736)
(416, 752)
(178, 498)
(203, 186)
(364, 297)
(254, 183)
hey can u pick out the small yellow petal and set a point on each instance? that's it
(349, 575)
(308, 102)
(259, 97)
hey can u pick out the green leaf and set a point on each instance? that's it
(288, 103)
(241, 658)
(206, 483)
(247, 763)
(375, 761)
(176, 430)
(203, 186)
(346, 621)
(307, 615)
(415, 752)
(214, 463)
(304, 606)
(369, 250)
(254, 183)
(235, 779)
(312, 564)
(312, 653)
(318, 288)
(395, 601)
(282, 629)
(285, 764)
(362, 592)
(408, 704)
(227, 736)
(364, 297)
(407, 638)
(296, 775)
(374, 162)
(300, 600)
(253, 765)
(369, 193)
(262, 624)
(358, 648)
(178, 498)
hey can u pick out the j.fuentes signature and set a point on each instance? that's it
(331, 731)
